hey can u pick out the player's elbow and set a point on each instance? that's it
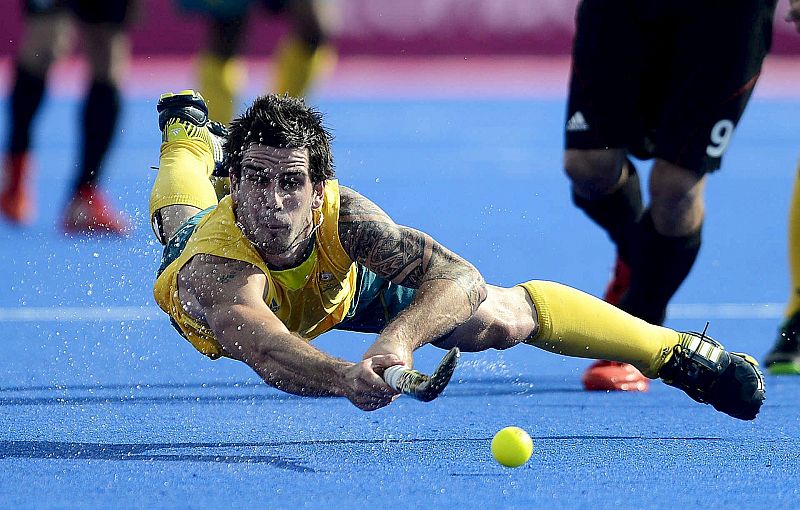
(240, 335)
(476, 289)
(227, 322)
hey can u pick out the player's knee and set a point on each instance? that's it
(676, 195)
(48, 38)
(38, 58)
(506, 334)
(594, 172)
(669, 179)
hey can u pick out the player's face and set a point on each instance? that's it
(274, 197)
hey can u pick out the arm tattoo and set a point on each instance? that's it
(403, 255)
(226, 274)
(457, 270)
(395, 253)
(208, 278)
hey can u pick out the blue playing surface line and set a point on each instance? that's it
(123, 413)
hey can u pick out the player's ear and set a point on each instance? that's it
(235, 179)
(319, 192)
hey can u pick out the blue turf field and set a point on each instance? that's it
(103, 405)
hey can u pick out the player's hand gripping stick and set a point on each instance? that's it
(418, 385)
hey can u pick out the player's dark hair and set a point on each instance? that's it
(285, 122)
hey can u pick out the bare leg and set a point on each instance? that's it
(47, 38)
(676, 195)
(565, 321)
(169, 219)
(669, 240)
(507, 317)
(108, 51)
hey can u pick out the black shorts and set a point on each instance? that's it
(665, 78)
(114, 12)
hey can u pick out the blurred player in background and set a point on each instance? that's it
(302, 56)
(655, 79)
(784, 357)
(49, 28)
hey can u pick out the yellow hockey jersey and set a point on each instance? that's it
(309, 299)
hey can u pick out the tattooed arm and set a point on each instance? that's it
(449, 289)
(227, 295)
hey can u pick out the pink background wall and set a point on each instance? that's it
(386, 27)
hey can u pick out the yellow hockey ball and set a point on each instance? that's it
(512, 447)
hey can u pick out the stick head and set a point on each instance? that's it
(420, 386)
(441, 376)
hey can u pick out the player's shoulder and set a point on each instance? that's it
(215, 262)
(205, 266)
(354, 206)
(348, 195)
(211, 279)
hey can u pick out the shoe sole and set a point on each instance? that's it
(759, 391)
(186, 105)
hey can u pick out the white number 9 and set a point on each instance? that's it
(720, 137)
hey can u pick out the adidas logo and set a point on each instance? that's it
(175, 132)
(577, 123)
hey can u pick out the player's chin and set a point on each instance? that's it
(275, 245)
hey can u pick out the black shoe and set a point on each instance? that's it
(729, 381)
(784, 357)
(186, 105)
(185, 115)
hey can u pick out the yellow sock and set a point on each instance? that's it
(297, 65)
(574, 323)
(793, 306)
(183, 176)
(220, 81)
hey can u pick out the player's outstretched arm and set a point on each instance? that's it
(228, 296)
(449, 289)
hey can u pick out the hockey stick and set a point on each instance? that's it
(418, 385)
